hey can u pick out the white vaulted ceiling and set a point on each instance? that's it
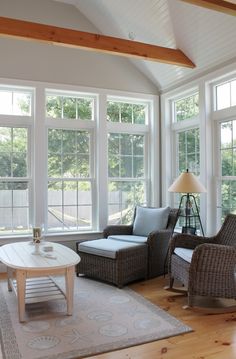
(207, 37)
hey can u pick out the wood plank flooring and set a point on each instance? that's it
(214, 336)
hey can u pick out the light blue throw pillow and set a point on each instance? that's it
(150, 219)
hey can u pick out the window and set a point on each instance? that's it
(14, 180)
(69, 107)
(127, 157)
(225, 95)
(186, 108)
(70, 164)
(228, 167)
(125, 112)
(57, 148)
(15, 102)
(188, 151)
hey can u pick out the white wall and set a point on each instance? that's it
(29, 60)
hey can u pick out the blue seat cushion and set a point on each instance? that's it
(148, 220)
(105, 248)
(128, 238)
(184, 253)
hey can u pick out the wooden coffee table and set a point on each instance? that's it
(29, 269)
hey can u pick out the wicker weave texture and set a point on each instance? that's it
(212, 271)
(129, 265)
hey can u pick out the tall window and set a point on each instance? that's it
(70, 164)
(186, 137)
(127, 161)
(15, 180)
(228, 167)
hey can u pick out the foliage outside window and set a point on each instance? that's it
(126, 176)
(125, 112)
(69, 107)
(226, 95)
(14, 184)
(186, 108)
(69, 185)
(228, 167)
(189, 151)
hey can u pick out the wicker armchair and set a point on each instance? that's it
(157, 242)
(207, 265)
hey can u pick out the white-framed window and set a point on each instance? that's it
(186, 108)
(185, 141)
(225, 95)
(128, 170)
(16, 120)
(70, 161)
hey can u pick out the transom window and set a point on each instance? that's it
(186, 108)
(126, 112)
(226, 95)
(69, 107)
(13, 102)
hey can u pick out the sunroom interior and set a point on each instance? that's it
(87, 134)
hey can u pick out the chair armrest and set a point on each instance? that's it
(159, 235)
(214, 258)
(157, 242)
(117, 229)
(189, 241)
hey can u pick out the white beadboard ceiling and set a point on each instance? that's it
(207, 37)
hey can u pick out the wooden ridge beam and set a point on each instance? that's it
(217, 5)
(73, 38)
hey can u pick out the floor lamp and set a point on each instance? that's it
(188, 183)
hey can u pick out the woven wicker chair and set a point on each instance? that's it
(157, 242)
(209, 265)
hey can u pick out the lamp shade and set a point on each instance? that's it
(187, 182)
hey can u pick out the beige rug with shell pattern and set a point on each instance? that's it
(105, 319)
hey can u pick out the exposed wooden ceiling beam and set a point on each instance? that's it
(218, 5)
(85, 40)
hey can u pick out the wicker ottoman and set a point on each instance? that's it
(113, 261)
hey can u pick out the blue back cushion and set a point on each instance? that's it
(150, 219)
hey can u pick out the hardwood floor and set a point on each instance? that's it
(214, 336)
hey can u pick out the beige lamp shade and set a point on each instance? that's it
(187, 182)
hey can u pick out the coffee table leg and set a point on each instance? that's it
(9, 278)
(21, 283)
(69, 277)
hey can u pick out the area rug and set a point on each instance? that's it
(105, 318)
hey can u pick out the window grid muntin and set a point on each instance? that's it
(120, 156)
(76, 206)
(196, 152)
(75, 179)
